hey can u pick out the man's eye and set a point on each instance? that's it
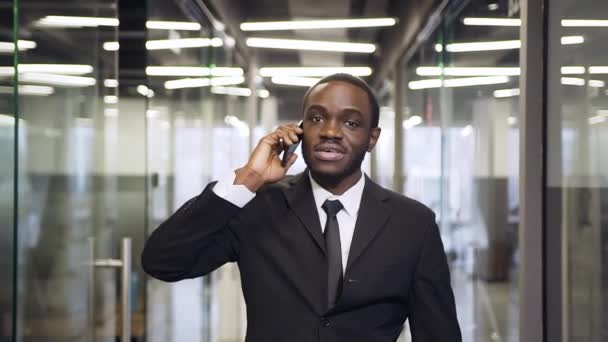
(352, 123)
(316, 118)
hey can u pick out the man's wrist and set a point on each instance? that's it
(249, 178)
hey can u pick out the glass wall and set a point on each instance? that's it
(461, 158)
(68, 195)
(198, 131)
(577, 163)
(7, 167)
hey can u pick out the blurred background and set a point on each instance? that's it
(113, 113)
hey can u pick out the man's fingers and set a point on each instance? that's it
(292, 159)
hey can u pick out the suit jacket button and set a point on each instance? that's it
(325, 322)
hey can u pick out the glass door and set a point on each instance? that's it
(81, 198)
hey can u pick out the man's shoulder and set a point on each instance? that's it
(280, 186)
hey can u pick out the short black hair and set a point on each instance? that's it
(356, 81)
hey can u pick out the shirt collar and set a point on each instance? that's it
(351, 199)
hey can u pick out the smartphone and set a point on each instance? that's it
(291, 149)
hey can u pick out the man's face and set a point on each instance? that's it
(337, 129)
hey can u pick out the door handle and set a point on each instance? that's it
(124, 264)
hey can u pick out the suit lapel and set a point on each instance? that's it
(302, 201)
(373, 213)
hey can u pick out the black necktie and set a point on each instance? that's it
(334, 251)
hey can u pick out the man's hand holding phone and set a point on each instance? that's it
(265, 165)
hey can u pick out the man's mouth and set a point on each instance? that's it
(329, 153)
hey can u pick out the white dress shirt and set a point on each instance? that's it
(240, 195)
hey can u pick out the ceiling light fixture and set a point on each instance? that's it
(192, 71)
(29, 90)
(183, 43)
(22, 45)
(314, 71)
(458, 82)
(598, 69)
(111, 46)
(492, 22)
(75, 22)
(236, 91)
(203, 82)
(316, 24)
(584, 23)
(172, 25)
(575, 81)
(503, 93)
(110, 83)
(310, 45)
(59, 80)
(572, 40)
(468, 71)
(294, 81)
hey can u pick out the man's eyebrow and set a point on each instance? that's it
(315, 106)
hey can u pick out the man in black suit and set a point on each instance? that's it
(327, 255)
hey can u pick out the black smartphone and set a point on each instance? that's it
(291, 149)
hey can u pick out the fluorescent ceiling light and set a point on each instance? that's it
(110, 83)
(111, 46)
(182, 43)
(172, 25)
(573, 70)
(492, 22)
(412, 121)
(22, 45)
(192, 71)
(314, 71)
(572, 40)
(594, 120)
(584, 23)
(597, 83)
(468, 71)
(598, 69)
(29, 90)
(64, 69)
(70, 21)
(236, 91)
(316, 24)
(203, 82)
(59, 80)
(474, 81)
(511, 120)
(312, 45)
(110, 99)
(502, 93)
(575, 81)
(458, 82)
(145, 91)
(295, 81)
(425, 84)
(499, 45)
(480, 46)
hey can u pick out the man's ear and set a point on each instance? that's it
(373, 138)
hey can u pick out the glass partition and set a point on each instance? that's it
(69, 243)
(461, 157)
(577, 163)
(197, 129)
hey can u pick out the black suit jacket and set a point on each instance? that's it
(396, 268)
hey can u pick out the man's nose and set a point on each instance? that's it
(331, 129)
